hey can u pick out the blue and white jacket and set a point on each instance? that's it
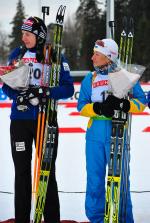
(63, 91)
(93, 88)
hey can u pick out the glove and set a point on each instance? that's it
(38, 91)
(118, 104)
(22, 102)
(33, 96)
(37, 95)
(103, 109)
(110, 104)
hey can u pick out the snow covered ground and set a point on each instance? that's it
(71, 175)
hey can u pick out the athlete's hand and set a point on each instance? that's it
(33, 95)
(118, 104)
(103, 109)
(37, 91)
(22, 101)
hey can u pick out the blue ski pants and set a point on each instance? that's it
(97, 156)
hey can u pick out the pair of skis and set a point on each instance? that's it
(118, 167)
(47, 124)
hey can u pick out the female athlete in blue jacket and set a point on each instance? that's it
(24, 114)
(95, 103)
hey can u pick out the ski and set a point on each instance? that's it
(51, 121)
(126, 155)
(41, 117)
(118, 167)
(123, 40)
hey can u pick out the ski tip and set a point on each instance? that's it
(60, 14)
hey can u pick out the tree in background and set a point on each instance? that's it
(17, 23)
(3, 47)
(90, 26)
(121, 10)
(139, 11)
(70, 43)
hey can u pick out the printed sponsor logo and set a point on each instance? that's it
(100, 83)
(66, 66)
(27, 60)
(28, 22)
(20, 146)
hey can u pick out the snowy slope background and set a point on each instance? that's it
(71, 174)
